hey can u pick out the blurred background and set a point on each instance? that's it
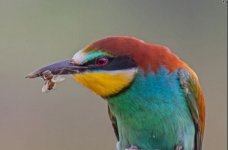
(34, 33)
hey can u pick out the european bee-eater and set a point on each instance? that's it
(155, 101)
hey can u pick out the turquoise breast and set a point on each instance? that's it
(153, 113)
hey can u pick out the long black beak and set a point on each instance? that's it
(60, 68)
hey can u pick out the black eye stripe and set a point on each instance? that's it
(114, 63)
(121, 62)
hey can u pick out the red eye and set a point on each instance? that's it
(102, 61)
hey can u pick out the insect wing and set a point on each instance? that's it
(45, 87)
(57, 79)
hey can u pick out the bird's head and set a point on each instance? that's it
(107, 72)
(108, 66)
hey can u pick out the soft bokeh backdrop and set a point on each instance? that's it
(34, 33)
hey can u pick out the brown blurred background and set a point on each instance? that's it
(34, 33)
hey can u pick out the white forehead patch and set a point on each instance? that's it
(79, 57)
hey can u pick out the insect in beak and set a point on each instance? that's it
(50, 80)
(51, 74)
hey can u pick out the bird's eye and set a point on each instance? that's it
(101, 61)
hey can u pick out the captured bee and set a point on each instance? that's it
(50, 80)
(51, 73)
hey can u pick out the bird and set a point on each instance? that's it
(155, 100)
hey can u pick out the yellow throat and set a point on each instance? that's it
(106, 83)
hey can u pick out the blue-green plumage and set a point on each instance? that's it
(153, 113)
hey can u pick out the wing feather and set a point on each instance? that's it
(195, 100)
(114, 123)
